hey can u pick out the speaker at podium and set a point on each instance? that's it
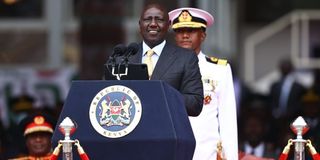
(128, 119)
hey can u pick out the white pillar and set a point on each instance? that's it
(53, 15)
(221, 37)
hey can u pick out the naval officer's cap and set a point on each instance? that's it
(190, 18)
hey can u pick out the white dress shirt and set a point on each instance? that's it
(257, 151)
(157, 52)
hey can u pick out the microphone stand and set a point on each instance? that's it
(117, 51)
(131, 50)
(125, 61)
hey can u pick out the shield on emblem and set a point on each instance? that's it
(115, 110)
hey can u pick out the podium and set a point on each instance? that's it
(161, 128)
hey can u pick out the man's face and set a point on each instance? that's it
(38, 143)
(190, 38)
(154, 24)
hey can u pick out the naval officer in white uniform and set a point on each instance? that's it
(217, 123)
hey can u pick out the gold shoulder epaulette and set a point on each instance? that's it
(217, 61)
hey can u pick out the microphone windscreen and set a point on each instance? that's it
(119, 50)
(132, 48)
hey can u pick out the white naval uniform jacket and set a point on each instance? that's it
(218, 119)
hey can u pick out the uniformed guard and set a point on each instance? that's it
(215, 129)
(37, 130)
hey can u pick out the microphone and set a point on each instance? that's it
(131, 50)
(118, 50)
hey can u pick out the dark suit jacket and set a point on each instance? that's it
(179, 68)
(294, 98)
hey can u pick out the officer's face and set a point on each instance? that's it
(154, 24)
(190, 38)
(38, 143)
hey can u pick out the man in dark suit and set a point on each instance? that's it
(286, 93)
(174, 65)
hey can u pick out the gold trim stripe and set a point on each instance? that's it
(188, 24)
(37, 129)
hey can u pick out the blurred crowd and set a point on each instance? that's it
(263, 120)
(26, 91)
